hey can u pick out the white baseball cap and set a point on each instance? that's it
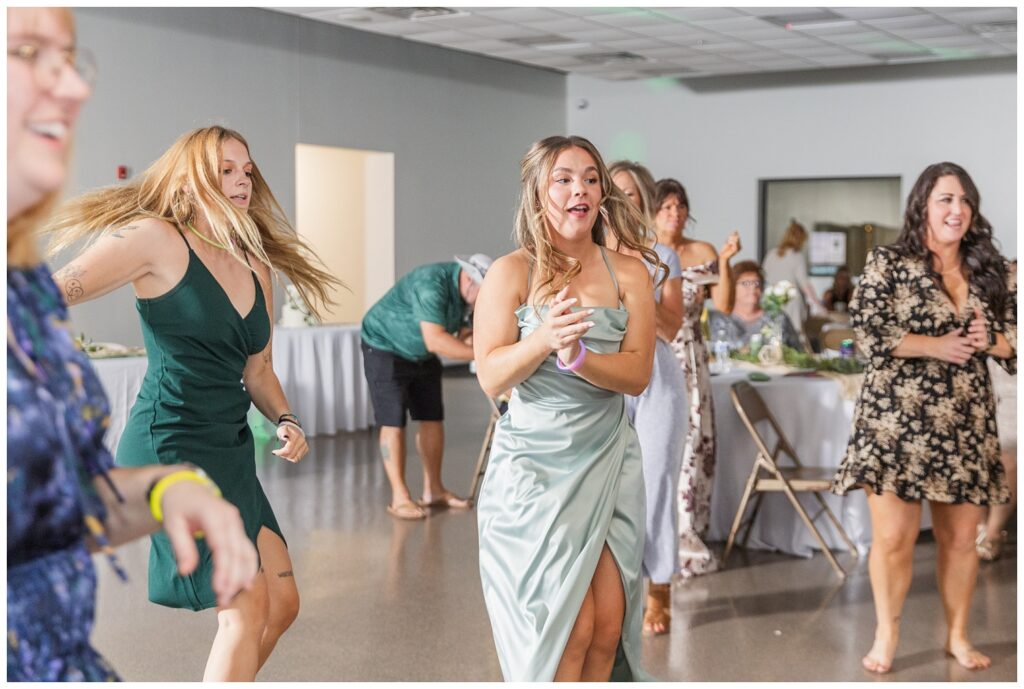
(476, 266)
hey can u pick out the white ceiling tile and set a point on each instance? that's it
(626, 17)
(786, 63)
(896, 23)
(952, 41)
(876, 12)
(791, 42)
(727, 47)
(632, 43)
(733, 24)
(519, 14)
(608, 34)
(848, 60)
(977, 15)
(767, 33)
(584, 11)
(501, 30)
(566, 25)
(859, 38)
(816, 52)
(486, 46)
(668, 53)
(936, 31)
(677, 33)
(701, 13)
(442, 37)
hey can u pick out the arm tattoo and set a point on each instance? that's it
(286, 573)
(117, 232)
(69, 275)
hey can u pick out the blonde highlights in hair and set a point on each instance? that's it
(617, 215)
(644, 181)
(184, 184)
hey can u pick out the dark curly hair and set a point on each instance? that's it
(983, 265)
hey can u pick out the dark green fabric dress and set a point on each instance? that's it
(192, 408)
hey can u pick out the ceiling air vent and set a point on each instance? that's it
(810, 18)
(618, 58)
(995, 27)
(417, 14)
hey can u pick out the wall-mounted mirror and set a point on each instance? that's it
(845, 216)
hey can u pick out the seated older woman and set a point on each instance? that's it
(747, 316)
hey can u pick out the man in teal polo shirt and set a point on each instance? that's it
(419, 318)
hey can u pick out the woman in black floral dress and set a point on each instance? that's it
(928, 312)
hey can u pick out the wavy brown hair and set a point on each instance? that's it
(793, 238)
(983, 265)
(183, 184)
(616, 215)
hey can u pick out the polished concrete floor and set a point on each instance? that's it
(390, 600)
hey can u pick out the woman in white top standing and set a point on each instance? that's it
(787, 262)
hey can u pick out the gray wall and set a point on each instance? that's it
(720, 136)
(457, 123)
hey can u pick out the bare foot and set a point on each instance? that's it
(657, 617)
(879, 658)
(968, 656)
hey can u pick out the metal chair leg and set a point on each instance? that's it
(751, 481)
(810, 525)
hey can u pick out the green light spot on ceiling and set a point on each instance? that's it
(660, 84)
(628, 145)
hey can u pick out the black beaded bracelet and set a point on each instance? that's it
(288, 416)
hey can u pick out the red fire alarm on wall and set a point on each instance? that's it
(122, 172)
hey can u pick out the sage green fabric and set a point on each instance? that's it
(428, 293)
(192, 408)
(563, 479)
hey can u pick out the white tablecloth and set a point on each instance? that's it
(817, 421)
(321, 371)
(121, 379)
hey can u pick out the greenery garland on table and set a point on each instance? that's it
(792, 357)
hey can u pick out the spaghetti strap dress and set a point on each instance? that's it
(192, 408)
(564, 478)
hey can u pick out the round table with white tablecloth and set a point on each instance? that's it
(816, 418)
(320, 369)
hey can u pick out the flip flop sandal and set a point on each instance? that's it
(407, 510)
(444, 501)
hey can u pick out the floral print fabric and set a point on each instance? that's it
(698, 467)
(923, 428)
(56, 416)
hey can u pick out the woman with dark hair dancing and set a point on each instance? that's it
(928, 312)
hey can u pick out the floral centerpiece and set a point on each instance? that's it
(773, 300)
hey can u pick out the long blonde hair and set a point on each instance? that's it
(21, 229)
(794, 238)
(644, 181)
(617, 215)
(183, 184)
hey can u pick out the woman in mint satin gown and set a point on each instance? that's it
(570, 326)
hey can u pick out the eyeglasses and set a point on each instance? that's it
(48, 61)
(672, 207)
(752, 284)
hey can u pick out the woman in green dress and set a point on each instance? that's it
(561, 508)
(197, 235)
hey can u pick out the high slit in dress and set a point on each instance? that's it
(564, 478)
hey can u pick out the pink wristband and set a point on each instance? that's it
(577, 362)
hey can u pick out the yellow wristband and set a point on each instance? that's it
(156, 493)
